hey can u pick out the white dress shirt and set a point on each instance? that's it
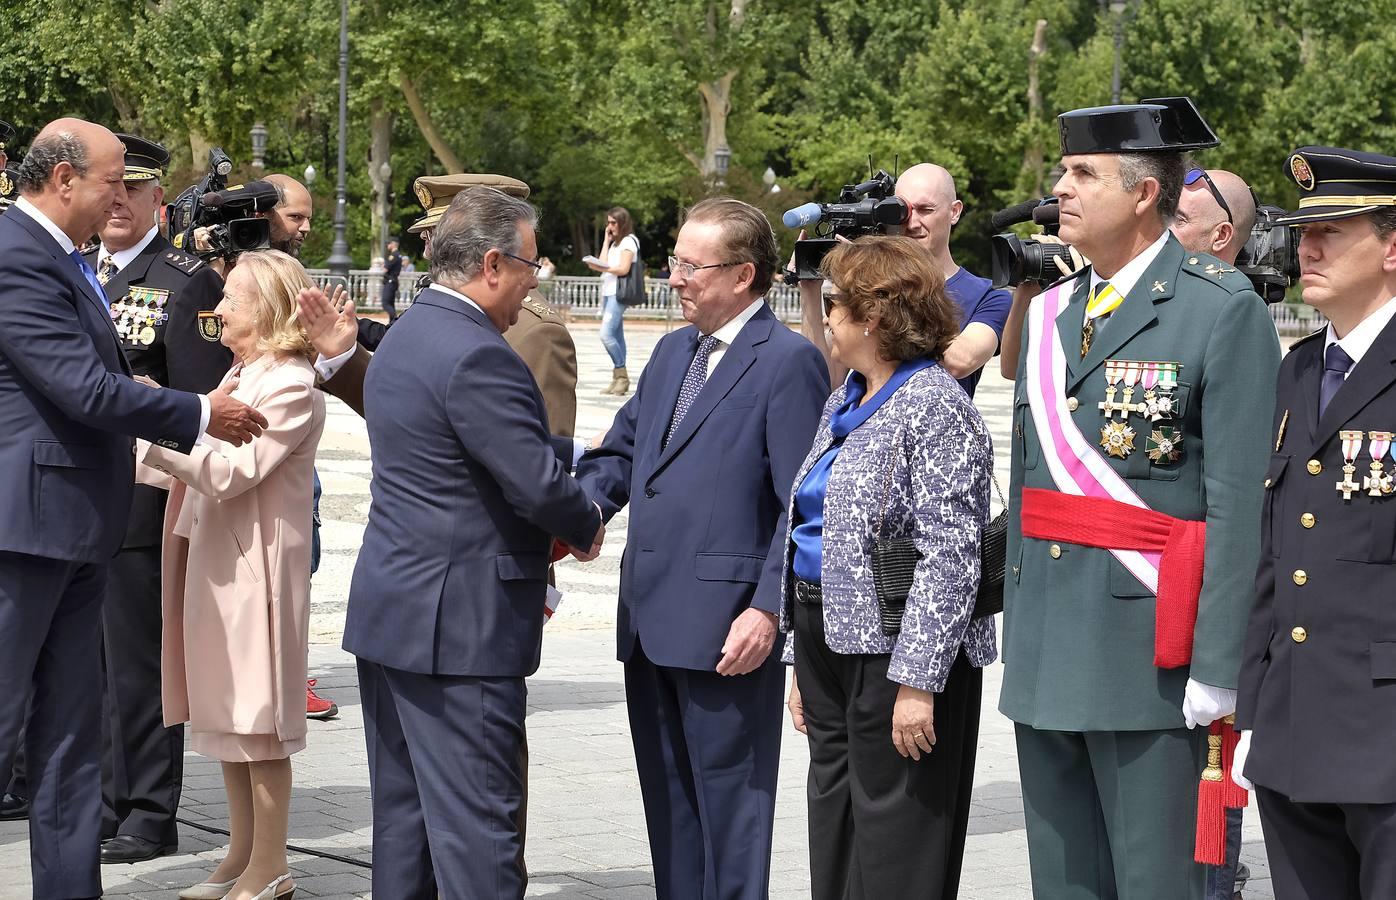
(728, 333)
(66, 243)
(1130, 273)
(1357, 342)
(123, 258)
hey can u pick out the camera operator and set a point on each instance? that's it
(1140, 427)
(162, 302)
(290, 220)
(929, 193)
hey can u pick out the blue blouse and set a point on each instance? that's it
(808, 533)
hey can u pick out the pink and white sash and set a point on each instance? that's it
(1074, 463)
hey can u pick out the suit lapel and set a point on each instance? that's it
(1310, 378)
(668, 392)
(730, 369)
(1136, 312)
(1069, 323)
(1374, 374)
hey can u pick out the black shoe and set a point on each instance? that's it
(13, 808)
(127, 848)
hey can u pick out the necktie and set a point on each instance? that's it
(105, 270)
(91, 277)
(693, 382)
(1336, 365)
(1103, 301)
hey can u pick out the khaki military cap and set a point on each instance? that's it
(435, 193)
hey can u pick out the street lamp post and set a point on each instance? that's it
(385, 170)
(722, 160)
(259, 146)
(340, 261)
(1117, 10)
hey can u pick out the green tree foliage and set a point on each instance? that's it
(603, 102)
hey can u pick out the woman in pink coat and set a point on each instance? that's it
(236, 575)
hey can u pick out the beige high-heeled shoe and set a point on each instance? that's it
(270, 892)
(208, 890)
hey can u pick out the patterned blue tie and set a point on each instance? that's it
(1336, 365)
(692, 383)
(91, 277)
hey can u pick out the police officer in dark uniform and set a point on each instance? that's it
(1318, 680)
(162, 302)
(392, 264)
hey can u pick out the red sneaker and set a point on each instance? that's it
(318, 707)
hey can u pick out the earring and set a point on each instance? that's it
(865, 332)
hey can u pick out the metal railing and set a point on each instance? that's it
(579, 297)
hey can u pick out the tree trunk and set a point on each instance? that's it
(427, 127)
(717, 103)
(1033, 153)
(576, 225)
(199, 147)
(381, 129)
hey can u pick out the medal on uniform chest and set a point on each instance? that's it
(1158, 398)
(1352, 445)
(1165, 445)
(1377, 484)
(1117, 439)
(1131, 379)
(147, 336)
(1114, 371)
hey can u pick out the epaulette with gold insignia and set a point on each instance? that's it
(184, 262)
(539, 309)
(1209, 268)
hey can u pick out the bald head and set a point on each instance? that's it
(73, 174)
(929, 192)
(290, 220)
(1201, 223)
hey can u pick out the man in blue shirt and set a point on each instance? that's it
(929, 193)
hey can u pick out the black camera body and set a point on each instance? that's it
(1015, 259)
(871, 207)
(1270, 258)
(230, 214)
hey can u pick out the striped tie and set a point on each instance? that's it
(1103, 301)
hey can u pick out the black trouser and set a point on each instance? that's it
(143, 761)
(16, 784)
(1328, 851)
(881, 825)
(389, 298)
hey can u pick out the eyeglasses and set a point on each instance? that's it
(532, 263)
(830, 301)
(685, 270)
(1192, 177)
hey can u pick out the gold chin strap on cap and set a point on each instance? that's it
(1335, 200)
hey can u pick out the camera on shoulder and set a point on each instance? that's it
(229, 220)
(870, 207)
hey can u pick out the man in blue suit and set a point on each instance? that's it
(446, 605)
(69, 407)
(706, 452)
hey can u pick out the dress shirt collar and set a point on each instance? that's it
(1130, 273)
(459, 296)
(46, 223)
(123, 258)
(1358, 341)
(728, 333)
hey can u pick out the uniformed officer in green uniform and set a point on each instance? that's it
(1139, 441)
(1318, 684)
(162, 302)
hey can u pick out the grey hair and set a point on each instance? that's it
(45, 154)
(1167, 168)
(479, 219)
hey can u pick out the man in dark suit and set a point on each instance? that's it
(69, 407)
(162, 302)
(1318, 678)
(392, 264)
(705, 453)
(447, 628)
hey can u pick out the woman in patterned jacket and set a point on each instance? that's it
(892, 718)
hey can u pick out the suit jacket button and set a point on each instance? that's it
(1055, 551)
(1268, 482)
(1301, 577)
(1307, 520)
(1315, 467)
(1072, 404)
(649, 492)
(1299, 634)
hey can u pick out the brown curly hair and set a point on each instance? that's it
(894, 280)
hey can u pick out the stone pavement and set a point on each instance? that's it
(586, 836)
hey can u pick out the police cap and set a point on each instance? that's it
(145, 160)
(1335, 183)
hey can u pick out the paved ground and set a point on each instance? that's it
(586, 828)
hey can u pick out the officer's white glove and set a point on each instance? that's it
(1204, 704)
(1238, 761)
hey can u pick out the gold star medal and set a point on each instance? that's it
(1164, 445)
(1117, 439)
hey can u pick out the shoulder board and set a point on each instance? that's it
(1209, 268)
(1309, 337)
(184, 262)
(539, 309)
